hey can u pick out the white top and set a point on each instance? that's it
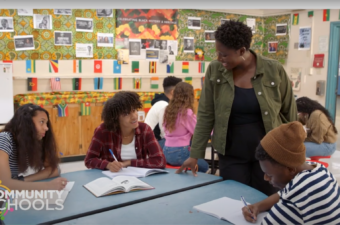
(155, 116)
(128, 151)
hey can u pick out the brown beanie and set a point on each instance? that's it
(285, 144)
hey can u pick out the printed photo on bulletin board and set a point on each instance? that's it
(295, 78)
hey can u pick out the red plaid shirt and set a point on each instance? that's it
(149, 153)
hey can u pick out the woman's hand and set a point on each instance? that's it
(189, 163)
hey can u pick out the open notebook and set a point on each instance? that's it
(105, 186)
(51, 200)
(134, 172)
(227, 209)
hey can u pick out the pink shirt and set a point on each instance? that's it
(184, 129)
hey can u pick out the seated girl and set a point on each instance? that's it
(179, 125)
(321, 132)
(309, 192)
(133, 143)
(28, 141)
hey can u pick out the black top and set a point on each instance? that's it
(158, 97)
(246, 108)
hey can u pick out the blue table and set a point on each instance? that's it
(176, 208)
(80, 202)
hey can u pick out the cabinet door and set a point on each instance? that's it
(89, 124)
(67, 130)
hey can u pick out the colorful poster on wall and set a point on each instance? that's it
(147, 23)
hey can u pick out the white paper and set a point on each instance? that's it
(135, 48)
(323, 44)
(272, 46)
(209, 36)
(163, 57)
(281, 29)
(6, 24)
(6, 92)
(141, 115)
(63, 38)
(69, 186)
(62, 11)
(228, 209)
(251, 22)
(84, 25)
(41, 21)
(194, 23)
(104, 13)
(189, 45)
(295, 78)
(25, 12)
(84, 50)
(173, 48)
(104, 40)
(152, 54)
(305, 34)
(163, 45)
(223, 21)
(24, 42)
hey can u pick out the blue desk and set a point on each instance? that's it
(176, 208)
(80, 202)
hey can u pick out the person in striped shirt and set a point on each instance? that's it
(27, 141)
(309, 193)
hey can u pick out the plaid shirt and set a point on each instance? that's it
(149, 153)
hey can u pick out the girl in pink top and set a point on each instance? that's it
(179, 125)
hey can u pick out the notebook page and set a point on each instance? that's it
(228, 209)
(101, 186)
(129, 182)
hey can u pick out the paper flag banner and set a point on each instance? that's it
(135, 66)
(154, 82)
(98, 66)
(137, 83)
(152, 67)
(30, 66)
(62, 110)
(117, 83)
(85, 109)
(76, 84)
(76, 66)
(55, 84)
(170, 67)
(295, 19)
(185, 67)
(54, 65)
(98, 83)
(32, 84)
(188, 80)
(117, 68)
(201, 67)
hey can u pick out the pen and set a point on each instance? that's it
(113, 155)
(245, 203)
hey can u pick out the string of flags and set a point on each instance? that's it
(325, 16)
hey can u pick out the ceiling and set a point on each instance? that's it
(257, 12)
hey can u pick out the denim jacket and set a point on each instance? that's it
(273, 90)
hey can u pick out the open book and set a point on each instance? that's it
(51, 199)
(134, 172)
(105, 186)
(227, 209)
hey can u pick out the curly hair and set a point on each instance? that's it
(183, 99)
(31, 151)
(261, 155)
(307, 105)
(234, 34)
(122, 103)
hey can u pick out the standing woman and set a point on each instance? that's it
(28, 141)
(244, 96)
(321, 131)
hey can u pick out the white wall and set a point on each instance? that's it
(304, 59)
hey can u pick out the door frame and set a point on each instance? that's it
(333, 68)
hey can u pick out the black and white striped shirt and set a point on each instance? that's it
(312, 197)
(7, 145)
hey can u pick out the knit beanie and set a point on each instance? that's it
(285, 144)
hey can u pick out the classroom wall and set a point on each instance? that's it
(304, 59)
(66, 74)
